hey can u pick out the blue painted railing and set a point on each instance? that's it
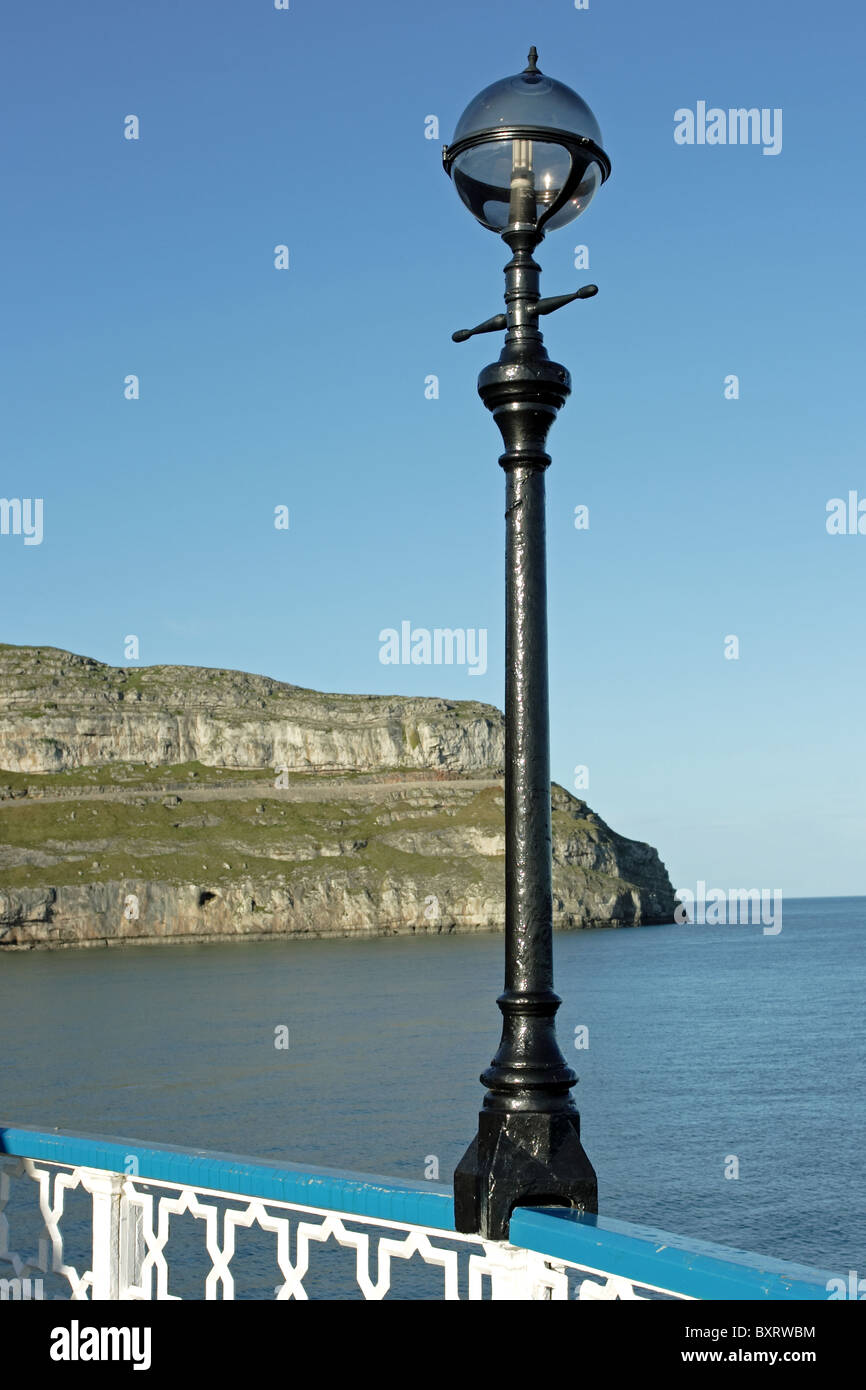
(641, 1254)
(391, 1199)
(600, 1247)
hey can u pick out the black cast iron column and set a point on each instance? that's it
(527, 1151)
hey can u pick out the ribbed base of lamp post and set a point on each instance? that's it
(524, 1159)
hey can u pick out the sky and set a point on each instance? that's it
(309, 387)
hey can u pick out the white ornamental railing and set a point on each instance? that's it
(83, 1217)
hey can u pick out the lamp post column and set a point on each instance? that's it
(527, 1150)
(526, 156)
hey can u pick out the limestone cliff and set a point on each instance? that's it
(60, 711)
(97, 847)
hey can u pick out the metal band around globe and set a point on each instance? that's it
(544, 134)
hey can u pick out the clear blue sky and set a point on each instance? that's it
(306, 387)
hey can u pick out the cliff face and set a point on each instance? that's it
(105, 848)
(60, 711)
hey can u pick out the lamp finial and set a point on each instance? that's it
(533, 60)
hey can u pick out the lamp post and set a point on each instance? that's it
(526, 157)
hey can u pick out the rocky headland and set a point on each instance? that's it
(152, 803)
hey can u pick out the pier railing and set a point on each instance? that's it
(85, 1217)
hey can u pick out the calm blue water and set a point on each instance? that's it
(705, 1041)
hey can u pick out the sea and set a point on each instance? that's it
(722, 1068)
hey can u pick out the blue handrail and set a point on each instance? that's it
(640, 1254)
(392, 1199)
(644, 1255)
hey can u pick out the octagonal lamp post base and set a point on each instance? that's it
(523, 1159)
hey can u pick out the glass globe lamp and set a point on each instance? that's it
(526, 152)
